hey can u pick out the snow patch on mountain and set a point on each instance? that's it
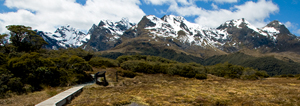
(65, 36)
(116, 28)
(178, 27)
(270, 32)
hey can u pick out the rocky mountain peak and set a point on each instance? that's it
(278, 26)
(238, 23)
(275, 24)
(64, 37)
(147, 21)
(173, 18)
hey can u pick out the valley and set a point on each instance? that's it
(161, 61)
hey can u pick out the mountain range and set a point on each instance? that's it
(175, 33)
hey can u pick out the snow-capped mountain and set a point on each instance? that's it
(175, 31)
(107, 34)
(65, 37)
(267, 31)
(179, 28)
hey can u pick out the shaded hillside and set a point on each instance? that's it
(270, 64)
(166, 53)
(147, 46)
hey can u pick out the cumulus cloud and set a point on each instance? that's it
(298, 31)
(290, 25)
(293, 27)
(47, 15)
(214, 6)
(185, 2)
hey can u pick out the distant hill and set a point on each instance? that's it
(270, 64)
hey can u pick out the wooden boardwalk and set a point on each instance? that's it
(63, 97)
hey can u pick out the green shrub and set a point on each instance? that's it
(145, 67)
(298, 75)
(172, 70)
(78, 64)
(262, 74)
(186, 71)
(129, 65)
(25, 65)
(15, 85)
(290, 75)
(138, 66)
(201, 76)
(3, 59)
(128, 74)
(99, 62)
(249, 77)
(284, 75)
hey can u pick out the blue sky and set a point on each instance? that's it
(47, 15)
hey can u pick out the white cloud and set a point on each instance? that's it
(255, 12)
(288, 24)
(226, 1)
(293, 27)
(298, 31)
(185, 2)
(214, 6)
(47, 15)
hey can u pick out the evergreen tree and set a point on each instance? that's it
(24, 38)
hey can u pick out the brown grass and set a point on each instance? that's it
(31, 99)
(166, 90)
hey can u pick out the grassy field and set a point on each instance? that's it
(31, 99)
(166, 90)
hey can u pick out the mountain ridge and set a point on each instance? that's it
(231, 36)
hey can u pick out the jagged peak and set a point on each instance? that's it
(106, 22)
(236, 22)
(167, 18)
(277, 25)
(152, 17)
(125, 20)
(66, 27)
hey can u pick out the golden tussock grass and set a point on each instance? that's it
(31, 99)
(167, 90)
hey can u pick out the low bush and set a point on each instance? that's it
(262, 74)
(290, 75)
(128, 74)
(201, 76)
(284, 75)
(99, 62)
